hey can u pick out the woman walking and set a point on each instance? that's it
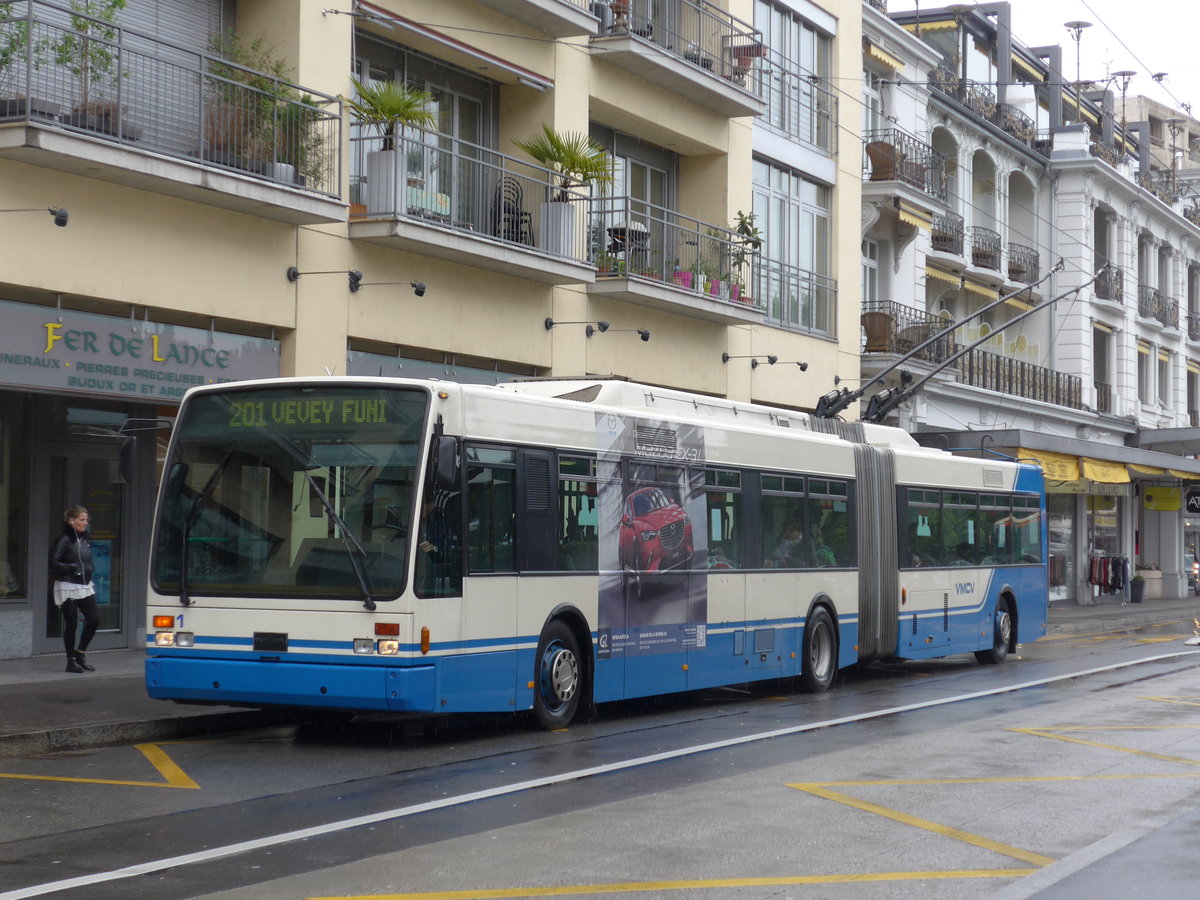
(71, 566)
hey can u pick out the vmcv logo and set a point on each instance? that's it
(965, 587)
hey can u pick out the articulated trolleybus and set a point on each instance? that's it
(408, 546)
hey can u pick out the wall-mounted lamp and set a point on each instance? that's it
(592, 327)
(59, 213)
(794, 362)
(417, 286)
(754, 359)
(643, 333)
(355, 276)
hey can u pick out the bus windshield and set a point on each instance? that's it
(290, 492)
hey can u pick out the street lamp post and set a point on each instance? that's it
(1076, 26)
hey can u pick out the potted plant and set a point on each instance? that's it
(88, 52)
(19, 55)
(246, 87)
(1137, 588)
(747, 243)
(577, 161)
(390, 107)
(298, 154)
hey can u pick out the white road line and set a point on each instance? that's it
(447, 802)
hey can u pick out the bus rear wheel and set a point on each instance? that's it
(1001, 635)
(818, 662)
(559, 681)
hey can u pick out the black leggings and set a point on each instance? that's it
(91, 621)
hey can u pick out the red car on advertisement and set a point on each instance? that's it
(656, 532)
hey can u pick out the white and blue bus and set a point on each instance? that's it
(410, 546)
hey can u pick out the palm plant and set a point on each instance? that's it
(390, 106)
(574, 157)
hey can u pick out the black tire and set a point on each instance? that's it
(818, 662)
(1001, 636)
(559, 678)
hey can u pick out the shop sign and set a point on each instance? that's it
(1087, 486)
(1192, 502)
(78, 352)
(1162, 499)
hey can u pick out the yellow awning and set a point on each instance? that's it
(939, 275)
(933, 27)
(880, 55)
(1100, 326)
(914, 215)
(1193, 367)
(1027, 68)
(1104, 471)
(1178, 474)
(982, 290)
(1022, 305)
(1056, 466)
(1147, 470)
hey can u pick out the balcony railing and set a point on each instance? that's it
(1110, 284)
(435, 179)
(69, 71)
(891, 327)
(985, 248)
(799, 105)
(1106, 152)
(632, 239)
(893, 155)
(1017, 378)
(698, 32)
(946, 236)
(1193, 326)
(1017, 123)
(1168, 312)
(1104, 397)
(1154, 304)
(796, 298)
(1024, 264)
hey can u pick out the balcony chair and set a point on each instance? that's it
(884, 158)
(510, 220)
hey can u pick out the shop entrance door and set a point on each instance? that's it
(87, 474)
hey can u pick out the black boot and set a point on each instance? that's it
(73, 666)
(79, 658)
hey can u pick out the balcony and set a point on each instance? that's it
(557, 18)
(1110, 285)
(1017, 123)
(946, 236)
(799, 106)
(438, 196)
(1154, 304)
(655, 257)
(894, 156)
(985, 248)
(797, 299)
(103, 102)
(1024, 264)
(1017, 378)
(890, 327)
(1193, 326)
(1104, 397)
(693, 49)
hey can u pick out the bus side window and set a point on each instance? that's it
(578, 517)
(723, 502)
(491, 493)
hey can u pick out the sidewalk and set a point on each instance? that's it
(45, 709)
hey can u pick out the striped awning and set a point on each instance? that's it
(1056, 466)
(1027, 68)
(983, 290)
(914, 215)
(933, 27)
(878, 54)
(1017, 303)
(941, 275)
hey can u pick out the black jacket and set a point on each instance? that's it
(71, 559)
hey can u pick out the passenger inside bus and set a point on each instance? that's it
(789, 551)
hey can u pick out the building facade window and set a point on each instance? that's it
(14, 495)
(1143, 372)
(793, 214)
(798, 64)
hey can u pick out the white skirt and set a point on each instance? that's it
(68, 590)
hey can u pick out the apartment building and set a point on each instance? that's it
(1032, 211)
(225, 217)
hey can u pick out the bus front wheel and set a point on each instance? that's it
(559, 677)
(818, 664)
(1001, 635)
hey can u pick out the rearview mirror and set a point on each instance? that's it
(445, 463)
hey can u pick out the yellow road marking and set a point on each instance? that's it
(1188, 701)
(174, 777)
(1058, 735)
(822, 790)
(634, 887)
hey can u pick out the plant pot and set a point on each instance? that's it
(385, 193)
(1137, 590)
(27, 108)
(684, 279)
(556, 232)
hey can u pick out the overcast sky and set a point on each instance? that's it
(1147, 36)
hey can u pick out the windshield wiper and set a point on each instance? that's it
(350, 541)
(191, 518)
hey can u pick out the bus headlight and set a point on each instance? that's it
(164, 639)
(185, 639)
(389, 648)
(364, 645)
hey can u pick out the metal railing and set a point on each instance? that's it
(1193, 326)
(1104, 397)
(985, 248)
(893, 155)
(67, 70)
(797, 298)
(946, 236)
(1017, 378)
(800, 105)
(1024, 264)
(1110, 285)
(891, 327)
(1017, 123)
(697, 32)
(437, 179)
(628, 238)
